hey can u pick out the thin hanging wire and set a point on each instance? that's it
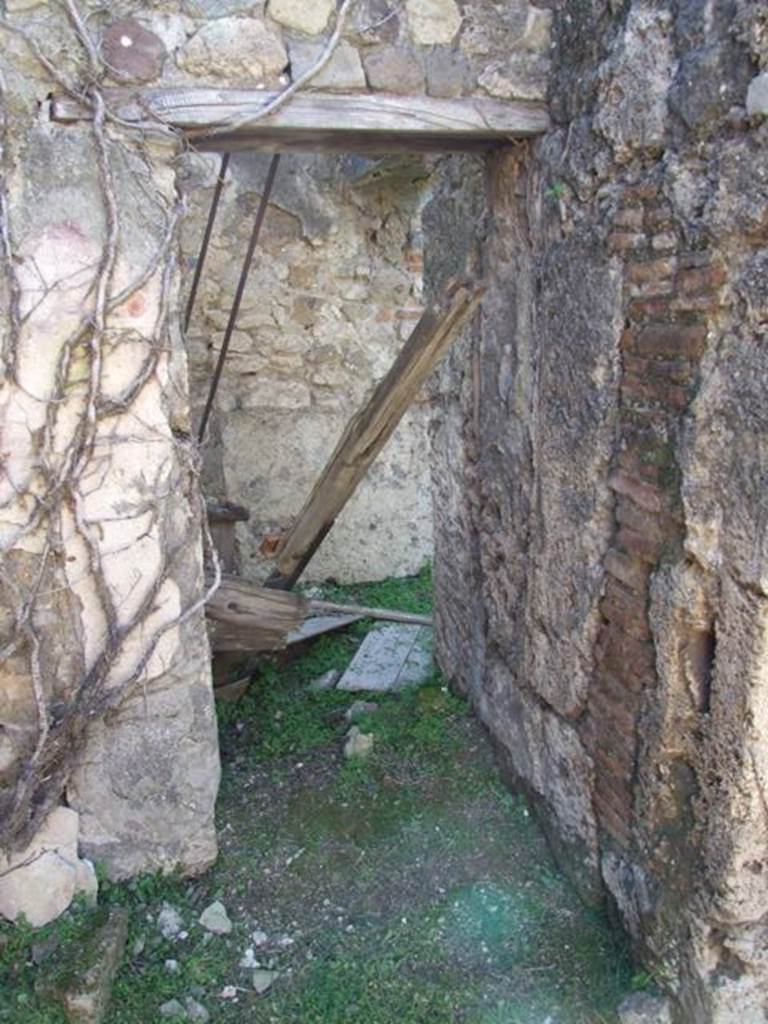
(206, 239)
(260, 213)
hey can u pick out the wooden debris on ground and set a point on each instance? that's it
(246, 617)
(242, 616)
(371, 428)
(222, 516)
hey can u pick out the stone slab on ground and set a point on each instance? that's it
(86, 1001)
(390, 658)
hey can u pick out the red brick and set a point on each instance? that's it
(629, 571)
(626, 241)
(651, 308)
(613, 821)
(613, 708)
(644, 548)
(638, 193)
(659, 217)
(629, 217)
(618, 768)
(701, 280)
(652, 270)
(631, 459)
(653, 525)
(665, 242)
(678, 371)
(651, 389)
(643, 494)
(687, 341)
(633, 661)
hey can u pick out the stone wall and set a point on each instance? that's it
(599, 460)
(334, 291)
(104, 649)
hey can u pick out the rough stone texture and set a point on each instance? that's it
(308, 16)
(343, 72)
(433, 21)
(393, 69)
(136, 500)
(600, 518)
(242, 50)
(642, 1008)
(41, 880)
(86, 999)
(757, 96)
(332, 294)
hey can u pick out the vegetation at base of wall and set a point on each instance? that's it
(407, 888)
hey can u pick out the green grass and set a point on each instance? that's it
(417, 888)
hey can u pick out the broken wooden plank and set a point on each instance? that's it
(243, 616)
(370, 429)
(355, 122)
(364, 612)
(318, 625)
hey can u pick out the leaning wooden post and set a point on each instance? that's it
(371, 427)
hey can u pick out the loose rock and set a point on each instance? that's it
(196, 1011)
(326, 681)
(169, 922)
(40, 881)
(360, 708)
(215, 919)
(642, 1008)
(173, 1010)
(263, 980)
(358, 744)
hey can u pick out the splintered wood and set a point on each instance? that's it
(243, 616)
(370, 429)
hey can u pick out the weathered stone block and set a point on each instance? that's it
(433, 21)
(343, 73)
(237, 49)
(308, 16)
(392, 69)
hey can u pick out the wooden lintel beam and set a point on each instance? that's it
(355, 122)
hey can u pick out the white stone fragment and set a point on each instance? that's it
(39, 882)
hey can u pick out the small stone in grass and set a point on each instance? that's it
(173, 1010)
(259, 937)
(263, 980)
(169, 921)
(358, 744)
(196, 1011)
(360, 708)
(215, 919)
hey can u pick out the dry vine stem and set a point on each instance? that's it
(69, 458)
(70, 462)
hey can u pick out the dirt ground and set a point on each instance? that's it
(409, 887)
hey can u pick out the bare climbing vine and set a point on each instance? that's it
(69, 458)
(71, 449)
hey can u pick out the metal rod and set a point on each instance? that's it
(260, 213)
(206, 239)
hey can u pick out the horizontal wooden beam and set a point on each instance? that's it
(359, 122)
